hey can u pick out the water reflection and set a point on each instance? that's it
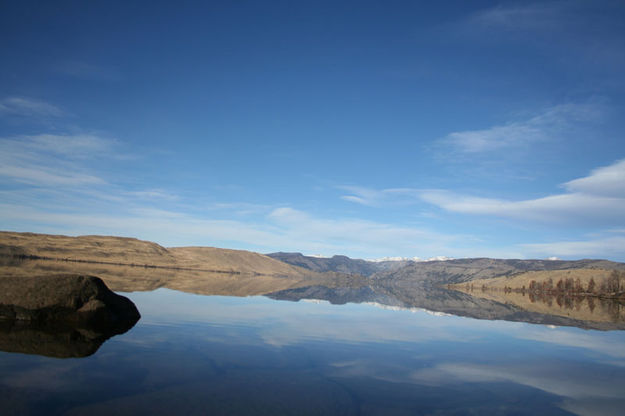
(589, 313)
(605, 313)
(195, 354)
(54, 340)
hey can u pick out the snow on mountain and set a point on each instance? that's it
(415, 259)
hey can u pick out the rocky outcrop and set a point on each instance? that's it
(76, 300)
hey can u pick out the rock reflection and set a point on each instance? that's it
(57, 340)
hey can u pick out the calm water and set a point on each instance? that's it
(192, 354)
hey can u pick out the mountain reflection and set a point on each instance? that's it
(606, 315)
(603, 314)
(593, 311)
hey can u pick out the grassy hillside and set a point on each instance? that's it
(233, 260)
(131, 251)
(571, 280)
(478, 269)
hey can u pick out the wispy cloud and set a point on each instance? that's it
(51, 160)
(605, 247)
(567, 380)
(573, 34)
(153, 194)
(596, 198)
(29, 107)
(551, 123)
(528, 16)
(375, 197)
(68, 145)
(87, 71)
(333, 236)
(606, 181)
(47, 176)
(280, 229)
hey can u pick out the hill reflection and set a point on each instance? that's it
(340, 289)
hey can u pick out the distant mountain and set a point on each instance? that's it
(340, 264)
(465, 270)
(414, 259)
(437, 271)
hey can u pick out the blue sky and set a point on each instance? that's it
(364, 128)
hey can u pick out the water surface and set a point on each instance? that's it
(193, 354)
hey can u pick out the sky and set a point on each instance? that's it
(364, 128)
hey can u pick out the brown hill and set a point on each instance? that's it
(238, 261)
(523, 280)
(128, 264)
(473, 269)
(92, 248)
(567, 293)
(134, 252)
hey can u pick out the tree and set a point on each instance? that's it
(612, 284)
(578, 286)
(591, 285)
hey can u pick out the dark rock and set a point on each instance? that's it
(76, 300)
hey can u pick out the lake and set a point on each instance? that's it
(196, 354)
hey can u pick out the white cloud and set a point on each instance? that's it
(29, 107)
(564, 208)
(606, 181)
(88, 71)
(67, 145)
(282, 229)
(608, 247)
(74, 146)
(356, 199)
(47, 176)
(597, 198)
(333, 236)
(51, 160)
(550, 123)
(375, 197)
(520, 17)
(361, 195)
(154, 194)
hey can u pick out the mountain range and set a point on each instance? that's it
(438, 271)
(128, 264)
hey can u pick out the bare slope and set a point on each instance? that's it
(467, 270)
(524, 280)
(233, 260)
(87, 248)
(131, 251)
